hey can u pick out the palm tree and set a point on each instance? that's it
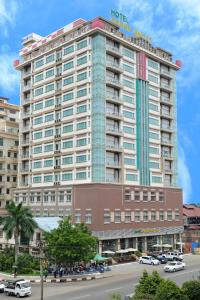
(19, 221)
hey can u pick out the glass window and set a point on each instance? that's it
(68, 80)
(49, 102)
(129, 161)
(81, 142)
(37, 179)
(81, 175)
(37, 164)
(48, 147)
(156, 179)
(129, 146)
(153, 64)
(68, 65)
(128, 130)
(68, 96)
(49, 73)
(82, 76)
(67, 176)
(81, 109)
(137, 216)
(128, 53)
(127, 216)
(81, 44)
(38, 120)
(131, 177)
(68, 144)
(106, 217)
(145, 216)
(153, 150)
(128, 114)
(67, 160)
(49, 87)
(154, 135)
(68, 112)
(88, 218)
(128, 68)
(38, 91)
(38, 77)
(81, 126)
(37, 135)
(153, 107)
(81, 60)
(38, 106)
(154, 165)
(68, 128)
(153, 78)
(153, 93)
(39, 63)
(37, 149)
(48, 132)
(153, 121)
(48, 178)
(50, 58)
(128, 99)
(49, 117)
(81, 93)
(117, 216)
(69, 50)
(128, 83)
(81, 158)
(153, 216)
(161, 215)
(48, 163)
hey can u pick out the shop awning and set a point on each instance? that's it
(98, 257)
(108, 252)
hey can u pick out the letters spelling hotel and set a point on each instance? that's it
(98, 134)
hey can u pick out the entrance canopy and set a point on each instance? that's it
(98, 257)
(108, 252)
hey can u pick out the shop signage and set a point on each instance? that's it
(140, 231)
(120, 19)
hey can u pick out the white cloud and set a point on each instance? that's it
(9, 77)
(184, 176)
(8, 11)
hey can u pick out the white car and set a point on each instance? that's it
(174, 266)
(2, 286)
(149, 260)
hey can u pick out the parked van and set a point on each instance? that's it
(19, 288)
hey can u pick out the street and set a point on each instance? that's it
(122, 279)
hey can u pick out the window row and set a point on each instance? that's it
(144, 196)
(65, 176)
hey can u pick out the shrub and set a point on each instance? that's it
(138, 253)
(168, 290)
(192, 289)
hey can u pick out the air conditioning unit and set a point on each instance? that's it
(56, 183)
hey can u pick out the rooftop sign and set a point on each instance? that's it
(120, 20)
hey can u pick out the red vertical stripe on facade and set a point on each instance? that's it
(141, 65)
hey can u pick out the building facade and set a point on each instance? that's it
(9, 141)
(98, 112)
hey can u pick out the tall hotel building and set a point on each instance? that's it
(98, 136)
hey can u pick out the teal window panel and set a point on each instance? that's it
(37, 149)
(153, 150)
(49, 87)
(81, 126)
(38, 120)
(153, 93)
(81, 60)
(153, 121)
(129, 161)
(153, 64)
(49, 118)
(48, 163)
(128, 83)
(129, 146)
(81, 93)
(128, 129)
(37, 179)
(67, 144)
(38, 77)
(128, 68)
(81, 142)
(68, 112)
(39, 63)
(67, 160)
(82, 76)
(68, 96)
(128, 99)
(38, 106)
(153, 107)
(154, 165)
(37, 135)
(128, 114)
(67, 176)
(156, 179)
(81, 158)
(49, 102)
(49, 73)
(68, 128)
(48, 132)
(68, 80)
(153, 78)
(131, 177)
(69, 50)
(48, 147)
(81, 44)
(81, 175)
(68, 65)
(48, 178)
(129, 53)
(153, 135)
(50, 58)
(38, 91)
(81, 109)
(37, 164)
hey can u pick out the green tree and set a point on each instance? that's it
(192, 289)
(70, 243)
(116, 296)
(168, 290)
(19, 221)
(147, 287)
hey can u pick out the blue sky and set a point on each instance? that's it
(172, 24)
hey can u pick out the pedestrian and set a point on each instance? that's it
(45, 273)
(55, 273)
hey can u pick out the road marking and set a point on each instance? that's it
(81, 297)
(182, 273)
(110, 290)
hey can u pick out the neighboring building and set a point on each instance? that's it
(9, 141)
(98, 134)
(191, 234)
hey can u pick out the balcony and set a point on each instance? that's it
(113, 82)
(25, 141)
(26, 88)
(113, 130)
(112, 164)
(25, 115)
(24, 183)
(26, 74)
(165, 100)
(24, 169)
(166, 127)
(113, 66)
(25, 155)
(166, 114)
(26, 128)
(113, 98)
(113, 50)
(165, 86)
(112, 180)
(114, 147)
(165, 73)
(166, 154)
(166, 141)
(113, 114)
(168, 169)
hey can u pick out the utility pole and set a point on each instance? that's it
(40, 245)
